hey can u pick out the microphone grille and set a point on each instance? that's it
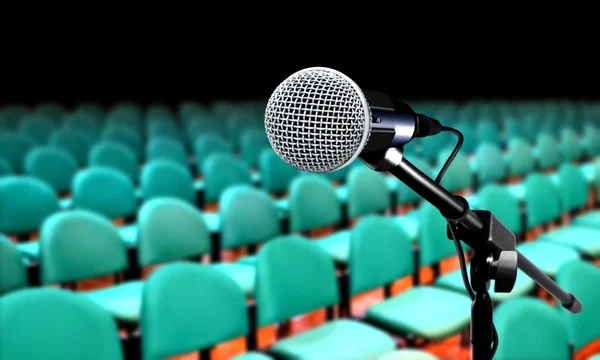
(318, 120)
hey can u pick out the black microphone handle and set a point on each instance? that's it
(453, 207)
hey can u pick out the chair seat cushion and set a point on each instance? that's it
(213, 221)
(549, 257)
(336, 340)
(342, 194)
(407, 354)
(523, 286)
(517, 190)
(251, 260)
(242, 274)
(129, 234)
(585, 240)
(336, 245)
(252, 356)
(409, 223)
(595, 357)
(65, 203)
(392, 183)
(589, 171)
(123, 301)
(428, 312)
(30, 250)
(283, 205)
(590, 219)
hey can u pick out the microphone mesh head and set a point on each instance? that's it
(318, 120)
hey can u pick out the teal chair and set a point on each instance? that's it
(164, 178)
(591, 141)
(434, 246)
(378, 261)
(202, 125)
(14, 148)
(519, 157)
(13, 275)
(488, 132)
(6, 168)
(431, 146)
(107, 192)
(126, 136)
(574, 192)
(74, 141)
(275, 174)
(162, 148)
(37, 127)
(165, 129)
(52, 165)
(528, 328)
(191, 307)
(570, 145)
(221, 171)
(116, 156)
(248, 217)
(470, 138)
(339, 175)
(125, 117)
(25, 203)
(407, 354)
(459, 176)
(84, 123)
(92, 109)
(543, 205)
(207, 145)
(547, 256)
(531, 127)
(366, 192)
(548, 152)
(253, 142)
(512, 127)
(583, 280)
(52, 110)
(489, 164)
(173, 230)
(79, 245)
(295, 277)
(86, 330)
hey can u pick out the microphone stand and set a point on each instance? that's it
(494, 245)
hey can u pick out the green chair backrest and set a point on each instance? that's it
(548, 152)
(376, 261)
(6, 168)
(222, 171)
(431, 146)
(488, 132)
(104, 191)
(338, 175)
(14, 148)
(582, 279)
(459, 175)
(126, 117)
(367, 192)
(293, 277)
(490, 163)
(512, 128)
(407, 195)
(497, 199)
(207, 145)
(253, 142)
(25, 203)
(52, 165)
(531, 127)
(74, 141)
(542, 200)
(202, 125)
(116, 156)
(165, 129)
(434, 244)
(591, 140)
(159, 112)
(528, 328)
(470, 138)
(78, 245)
(56, 324)
(597, 175)
(84, 123)
(92, 109)
(12, 270)
(164, 148)
(313, 203)
(165, 178)
(570, 145)
(170, 229)
(123, 134)
(52, 110)
(190, 307)
(37, 127)
(248, 216)
(519, 157)
(275, 174)
(573, 187)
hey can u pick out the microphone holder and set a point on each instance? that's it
(494, 245)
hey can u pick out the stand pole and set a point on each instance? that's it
(482, 326)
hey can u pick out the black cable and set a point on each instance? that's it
(461, 255)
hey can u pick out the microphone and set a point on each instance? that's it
(319, 120)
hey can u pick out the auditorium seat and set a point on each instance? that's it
(378, 261)
(53, 166)
(173, 230)
(207, 145)
(366, 192)
(116, 156)
(166, 178)
(164, 148)
(14, 147)
(288, 286)
(528, 328)
(78, 245)
(276, 175)
(591, 141)
(37, 127)
(12, 270)
(253, 142)
(547, 152)
(407, 354)
(489, 164)
(221, 171)
(6, 168)
(519, 157)
(56, 324)
(164, 129)
(126, 136)
(84, 123)
(459, 176)
(74, 141)
(583, 280)
(570, 145)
